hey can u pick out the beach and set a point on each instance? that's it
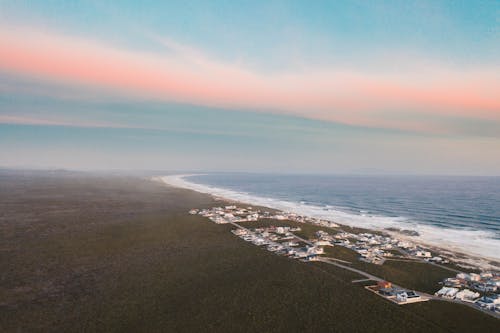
(121, 253)
(467, 247)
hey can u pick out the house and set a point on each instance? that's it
(488, 302)
(485, 287)
(281, 230)
(436, 259)
(474, 277)
(423, 254)
(467, 295)
(253, 217)
(387, 292)
(312, 257)
(407, 296)
(448, 292)
(453, 282)
(495, 298)
(390, 292)
(315, 250)
(301, 254)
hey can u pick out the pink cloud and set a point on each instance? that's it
(347, 95)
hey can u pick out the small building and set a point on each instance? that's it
(387, 292)
(436, 259)
(467, 295)
(281, 230)
(423, 254)
(407, 296)
(453, 282)
(485, 287)
(487, 302)
(448, 292)
(315, 250)
(474, 277)
(311, 257)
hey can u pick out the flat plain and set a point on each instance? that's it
(82, 252)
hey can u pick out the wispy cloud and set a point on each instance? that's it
(186, 75)
(20, 120)
(78, 123)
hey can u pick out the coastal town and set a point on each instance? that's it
(480, 290)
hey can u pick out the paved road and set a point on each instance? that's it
(355, 270)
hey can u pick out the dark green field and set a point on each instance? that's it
(82, 253)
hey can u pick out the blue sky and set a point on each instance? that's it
(282, 86)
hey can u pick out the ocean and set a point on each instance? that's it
(457, 213)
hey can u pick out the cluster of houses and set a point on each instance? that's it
(305, 219)
(228, 214)
(376, 248)
(280, 240)
(233, 213)
(482, 289)
(372, 248)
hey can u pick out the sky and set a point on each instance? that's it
(264, 86)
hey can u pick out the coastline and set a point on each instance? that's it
(122, 253)
(464, 259)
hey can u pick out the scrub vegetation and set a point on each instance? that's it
(95, 253)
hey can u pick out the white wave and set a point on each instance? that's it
(473, 242)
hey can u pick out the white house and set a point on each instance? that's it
(467, 295)
(448, 292)
(474, 277)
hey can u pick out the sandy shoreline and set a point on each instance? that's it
(465, 260)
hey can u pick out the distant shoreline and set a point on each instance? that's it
(465, 260)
